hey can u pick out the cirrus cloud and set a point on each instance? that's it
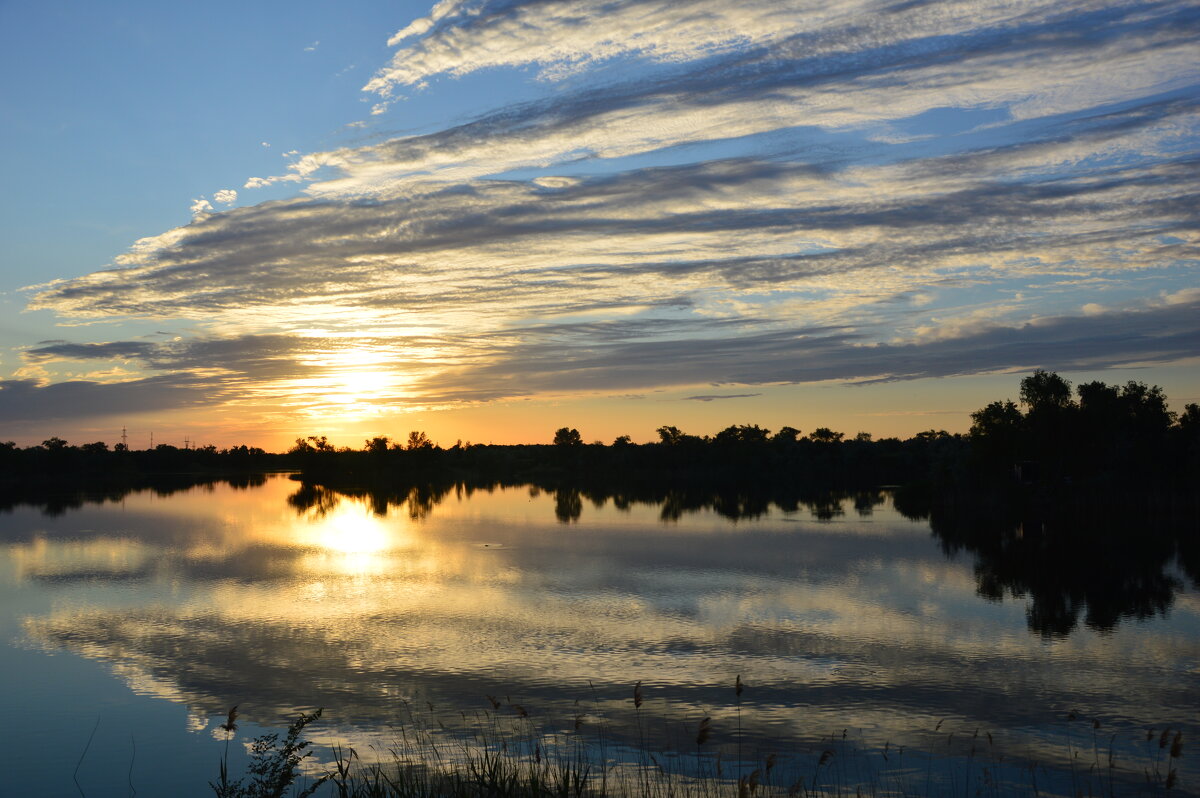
(716, 192)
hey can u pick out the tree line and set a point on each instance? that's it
(56, 459)
(737, 453)
(1094, 433)
(1098, 433)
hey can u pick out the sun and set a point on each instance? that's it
(348, 382)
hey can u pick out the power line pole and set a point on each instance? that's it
(124, 440)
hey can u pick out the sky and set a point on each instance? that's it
(486, 219)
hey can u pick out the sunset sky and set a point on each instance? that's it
(486, 219)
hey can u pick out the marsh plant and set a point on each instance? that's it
(275, 764)
(505, 751)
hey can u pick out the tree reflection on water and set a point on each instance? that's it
(833, 608)
(1099, 558)
(1090, 558)
(1102, 559)
(734, 502)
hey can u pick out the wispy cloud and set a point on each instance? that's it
(715, 396)
(826, 71)
(707, 232)
(715, 192)
(608, 357)
(564, 37)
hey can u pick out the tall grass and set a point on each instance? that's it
(504, 751)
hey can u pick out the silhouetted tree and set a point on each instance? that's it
(786, 435)
(377, 445)
(742, 435)
(825, 435)
(312, 443)
(1099, 400)
(1146, 408)
(418, 441)
(1189, 419)
(996, 435)
(1045, 391)
(1116, 435)
(671, 436)
(567, 436)
(1049, 423)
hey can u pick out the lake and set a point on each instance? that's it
(131, 623)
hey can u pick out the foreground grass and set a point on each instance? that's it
(505, 753)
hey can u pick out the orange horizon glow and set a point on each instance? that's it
(897, 409)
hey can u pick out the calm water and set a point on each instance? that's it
(146, 617)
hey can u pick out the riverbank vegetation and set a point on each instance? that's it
(506, 751)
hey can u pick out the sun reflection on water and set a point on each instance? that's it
(294, 593)
(351, 539)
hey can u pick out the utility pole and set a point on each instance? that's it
(151, 440)
(185, 443)
(124, 440)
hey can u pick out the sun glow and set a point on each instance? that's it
(350, 539)
(352, 530)
(339, 524)
(347, 383)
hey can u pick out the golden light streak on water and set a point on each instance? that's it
(283, 594)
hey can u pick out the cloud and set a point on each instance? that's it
(292, 374)
(364, 641)
(470, 37)
(1069, 343)
(459, 38)
(613, 357)
(26, 400)
(724, 193)
(200, 206)
(63, 350)
(711, 231)
(816, 70)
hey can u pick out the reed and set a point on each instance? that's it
(506, 751)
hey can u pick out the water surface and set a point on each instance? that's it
(146, 616)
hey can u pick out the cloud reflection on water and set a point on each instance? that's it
(855, 621)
